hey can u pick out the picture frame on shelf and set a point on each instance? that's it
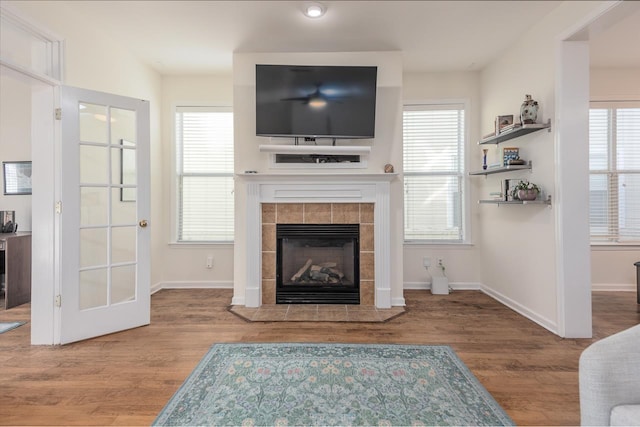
(503, 122)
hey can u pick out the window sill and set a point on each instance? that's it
(430, 244)
(604, 247)
(188, 245)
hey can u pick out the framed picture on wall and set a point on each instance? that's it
(17, 178)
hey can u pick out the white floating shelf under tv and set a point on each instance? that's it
(317, 156)
(315, 149)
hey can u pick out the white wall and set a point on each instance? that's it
(519, 242)
(185, 264)
(462, 262)
(612, 267)
(607, 84)
(15, 138)
(386, 146)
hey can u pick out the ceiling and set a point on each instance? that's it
(198, 37)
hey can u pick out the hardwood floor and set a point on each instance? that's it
(128, 377)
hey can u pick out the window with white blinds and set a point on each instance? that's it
(204, 161)
(434, 175)
(614, 172)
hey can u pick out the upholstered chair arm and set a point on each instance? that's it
(609, 376)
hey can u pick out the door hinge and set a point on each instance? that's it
(58, 207)
(58, 113)
(58, 301)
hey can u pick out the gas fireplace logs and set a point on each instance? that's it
(325, 272)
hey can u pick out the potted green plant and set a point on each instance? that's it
(525, 190)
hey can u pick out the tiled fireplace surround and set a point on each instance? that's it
(320, 199)
(318, 213)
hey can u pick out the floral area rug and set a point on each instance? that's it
(331, 384)
(7, 326)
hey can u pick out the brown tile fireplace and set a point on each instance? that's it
(336, 240)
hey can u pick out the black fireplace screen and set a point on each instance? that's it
(317, 263)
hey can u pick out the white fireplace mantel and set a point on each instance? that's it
(318, 188)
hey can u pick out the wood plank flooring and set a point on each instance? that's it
(128, 377)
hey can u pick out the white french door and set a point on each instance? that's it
(104, 226)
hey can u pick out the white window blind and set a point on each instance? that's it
(614, 172)
(433, 155)
(204, 160)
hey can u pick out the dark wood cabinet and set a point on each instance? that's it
(16, 250)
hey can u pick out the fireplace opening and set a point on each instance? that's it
(318, 264)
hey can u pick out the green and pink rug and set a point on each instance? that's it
(331, 384)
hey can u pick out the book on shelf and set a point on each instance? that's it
(496, 195)
(509, 153)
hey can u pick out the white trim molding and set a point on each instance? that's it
(455, 286)
(398, 302)
(53, 60)
(216, 284)
(613, 287)
(521, 309)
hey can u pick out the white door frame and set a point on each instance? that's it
(45, 142)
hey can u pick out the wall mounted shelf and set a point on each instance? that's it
(502, 169)
(515, 133)
(546, 202)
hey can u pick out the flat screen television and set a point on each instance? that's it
(315, 101)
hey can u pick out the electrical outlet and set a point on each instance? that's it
(210, 261)
(441, 266)
(426, 261)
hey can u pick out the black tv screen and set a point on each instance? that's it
(315, 101)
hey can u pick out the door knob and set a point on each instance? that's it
(143, 223)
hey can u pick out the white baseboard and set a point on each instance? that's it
(221, 284)
(520, 309)
(155, 288)
(416, 285)
(456, 286)
(466, 286)
(623, 287)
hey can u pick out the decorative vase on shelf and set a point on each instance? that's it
(528, 111)
(527, 194)
(484, 158)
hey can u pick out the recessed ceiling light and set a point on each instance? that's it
(314, 10)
